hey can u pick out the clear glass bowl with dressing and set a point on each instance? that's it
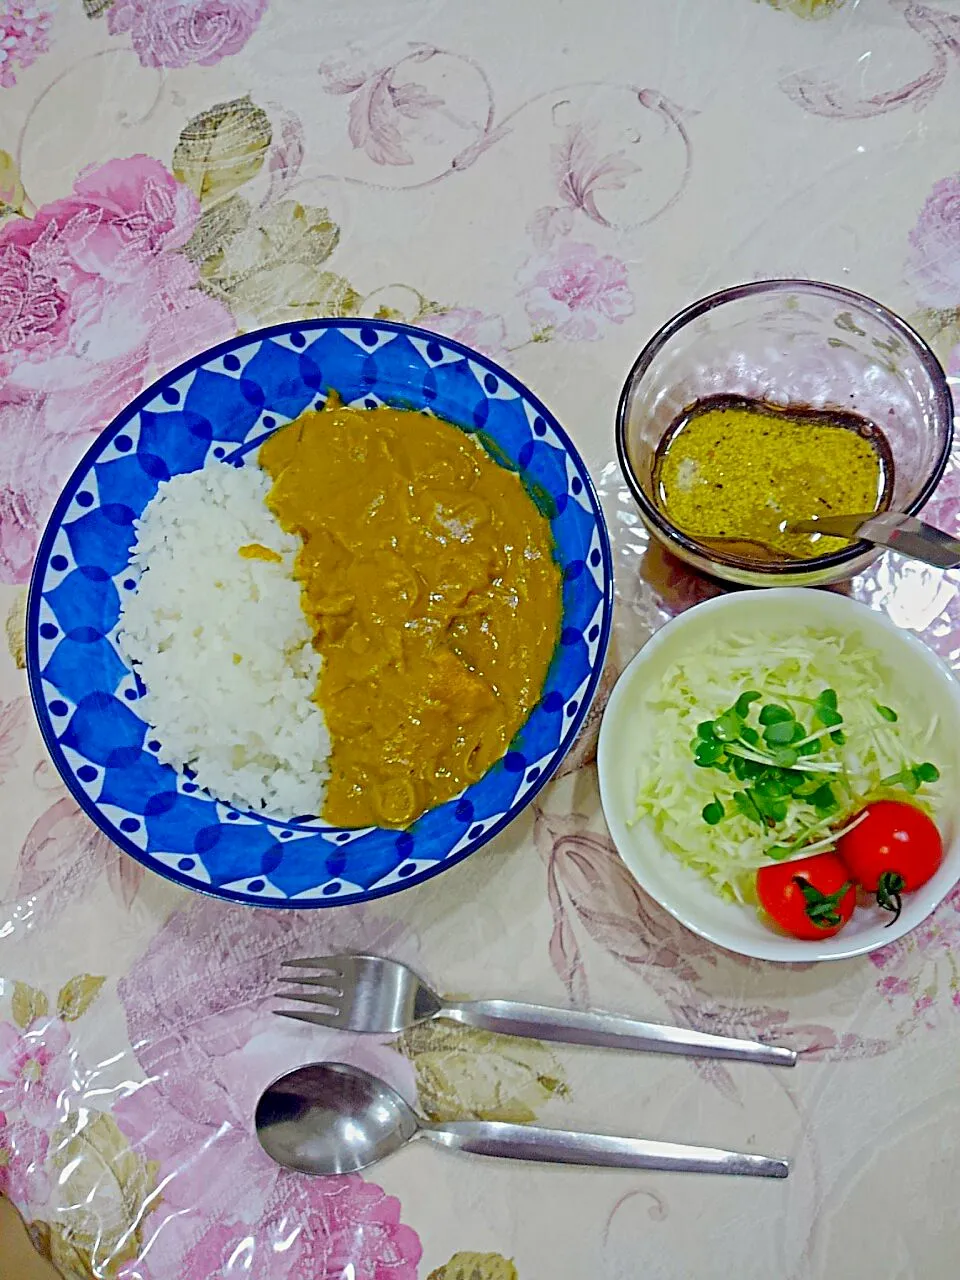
(798, 345)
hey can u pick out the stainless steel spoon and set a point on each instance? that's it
(331, 1118)
(893, 530)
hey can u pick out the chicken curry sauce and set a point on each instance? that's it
(429, 581)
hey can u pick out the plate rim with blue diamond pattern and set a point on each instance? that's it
(226, 399)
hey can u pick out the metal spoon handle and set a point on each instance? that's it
(914, 538)
(554, 1146)
(608, 1030)
(893, 529)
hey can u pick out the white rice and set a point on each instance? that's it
(222, 645)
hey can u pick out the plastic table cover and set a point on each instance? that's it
(546, 182)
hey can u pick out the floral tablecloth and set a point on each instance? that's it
(546, 182)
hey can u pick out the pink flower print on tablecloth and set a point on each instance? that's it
(477, 329)
(23, 1153)
(34, 464)
(575, 292)
(330, 1228)
(920, 974)
(580, 171)
(176, 33)
(943, 509)
(199, 1018)
(24, 36)
(934, 263)
(220, 1189)
(94, 291)
(34, 1068)
(384, 116)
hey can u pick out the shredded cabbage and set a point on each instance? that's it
(673, 790)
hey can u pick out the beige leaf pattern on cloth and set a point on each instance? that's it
(12, 195)
(218, 224)
(28, 1003)
(53, 1242)
(463, 1073)
(941, 328)
(14, 627)
(808, 8)
(77, 995)
(476, 1266)
(105, 1185)
(273, 270)
(222, 148)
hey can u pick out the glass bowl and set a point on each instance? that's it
(798, 343)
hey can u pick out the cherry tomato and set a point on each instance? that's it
(896, 848)
(810, 898)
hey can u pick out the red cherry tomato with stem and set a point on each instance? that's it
(810, 898)
(895, 849)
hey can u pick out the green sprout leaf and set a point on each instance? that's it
(779, 761)
(823, 800)
(713, 812)
(778, 852)
(707, 753)
(828, 717)
(773, 784)
(773, 713)
(729, 726)
(742, 704)
(748, 807)
(780, 733)
(745, 770)
(912, 777)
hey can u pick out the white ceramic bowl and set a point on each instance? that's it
(924, 680)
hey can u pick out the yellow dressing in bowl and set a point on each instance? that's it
(736, 468)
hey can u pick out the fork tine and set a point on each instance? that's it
(316, 1019)
(306, 997)
(315, 966)
(339, 964)
(331, 982)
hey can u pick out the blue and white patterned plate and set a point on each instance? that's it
(225, 402)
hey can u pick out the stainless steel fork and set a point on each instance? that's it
(371, 993)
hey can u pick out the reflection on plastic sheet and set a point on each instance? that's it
(652, 585)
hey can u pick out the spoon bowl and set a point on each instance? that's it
(329, 1118)
(891, 530)
(332, 1118)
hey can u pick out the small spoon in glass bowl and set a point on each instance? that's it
(893, 530)
(333, 1118)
